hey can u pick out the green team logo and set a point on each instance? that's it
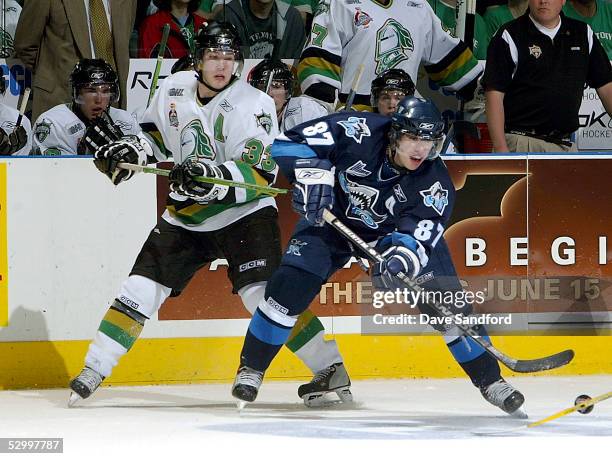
(195, 142)
(264, 120)
(42, 130)
(6, 44)
(322, 7)
(393, 43)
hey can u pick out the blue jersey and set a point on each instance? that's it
(371, 196)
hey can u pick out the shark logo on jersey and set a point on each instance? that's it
(195, 142)
(361, 202)
(435, 197)
(42, 130)
(355, 128)
(393, 43)
(265, 121)
(358, 169)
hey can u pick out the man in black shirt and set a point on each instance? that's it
(537, 68)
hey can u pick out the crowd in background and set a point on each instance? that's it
(48, 37)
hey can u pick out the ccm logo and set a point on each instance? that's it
(252, 264)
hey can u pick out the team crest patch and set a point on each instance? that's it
(435, 197)
(173, 116)
(265, 121)
(42, 130)
(535, 51)
(362, 19)
(195, 142)
(355, 128)
(393, 43)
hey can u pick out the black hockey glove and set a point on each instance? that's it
(313, 189)
(101, 131)
(182, 181)
(14, 141)
(128, 149)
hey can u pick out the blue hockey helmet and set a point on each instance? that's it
(419, 118)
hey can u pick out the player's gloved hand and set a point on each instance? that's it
(128, 149)
(313, 189)
(182, 181)
(101, 131)
(12, 142)
(400, 257)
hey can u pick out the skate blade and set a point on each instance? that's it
(74, 399)
(325, 399)
(519, 414)
(241, 405)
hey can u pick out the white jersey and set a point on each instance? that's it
(8, 24)
(404, 34)
(8, 121)
(58, 131)
(299, 110)
(234, 131)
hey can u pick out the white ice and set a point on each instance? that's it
(390, 418)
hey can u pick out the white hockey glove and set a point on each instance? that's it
(182, 181)
(129, 149)
(313, 189)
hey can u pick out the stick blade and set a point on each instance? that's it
(545, 363)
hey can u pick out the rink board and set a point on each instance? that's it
(72, 237)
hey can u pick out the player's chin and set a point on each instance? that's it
(413, 163)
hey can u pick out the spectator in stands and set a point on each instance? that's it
(596, 13)
(9, 11)
(53, 35)
(537, 68)
(497, 16)
(266, 28)
(445, 10)
(184, 26)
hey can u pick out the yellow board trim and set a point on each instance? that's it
(201, 360)
(3, 249)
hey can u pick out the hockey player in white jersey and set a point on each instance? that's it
(275, 78)
(389, 89)
(214, 125)
(381, 34)
(95, 86)
(14, 140)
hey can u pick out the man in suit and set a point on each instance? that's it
(53, 35)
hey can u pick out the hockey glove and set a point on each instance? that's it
(12, 142)
(128, 149)
(101, 131)
(182, 181)
(313, 189)
(400, 257)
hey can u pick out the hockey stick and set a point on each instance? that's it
(519, 366)
(160, 59)
(353, 91)
(249, 186)
(22, 107)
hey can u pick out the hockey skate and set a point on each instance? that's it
(84, 385)
(504, 396)
(246, 385)
(331, 379)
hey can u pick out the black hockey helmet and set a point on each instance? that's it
(419, 118)
(92, 72)
(267, 71)
(220, 36)
(396, 79)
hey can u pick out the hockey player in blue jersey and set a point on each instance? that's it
(383, 178)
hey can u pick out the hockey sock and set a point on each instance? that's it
(118, 331)
(479, 365)
(288, 294)
(307, 341)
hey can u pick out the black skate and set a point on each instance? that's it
(504, 396)
(246, 385)
(84, 385)
(331, 379)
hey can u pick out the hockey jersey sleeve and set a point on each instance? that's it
(50, 139)
(319, 70)
(448, 61)
(247, 133)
